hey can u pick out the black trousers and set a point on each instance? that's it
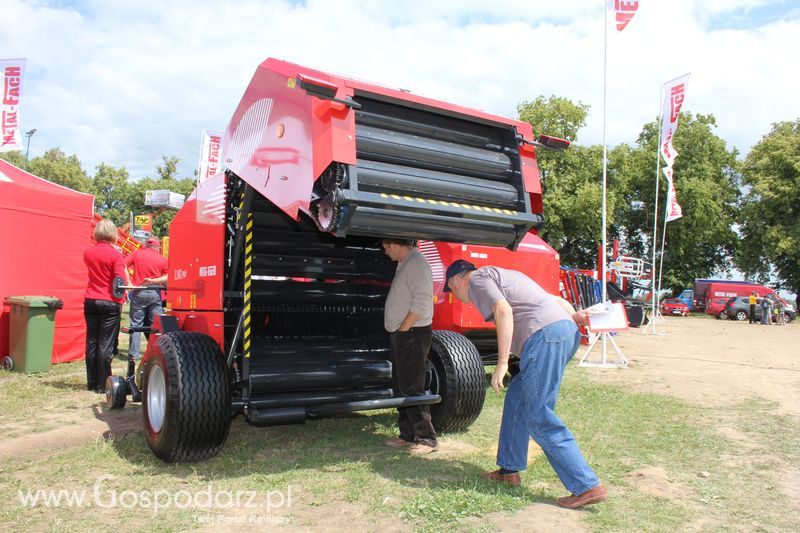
(752, 313)
(102, 324)
(409, 353)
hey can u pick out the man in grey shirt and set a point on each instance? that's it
(408, 315)
(540, 329)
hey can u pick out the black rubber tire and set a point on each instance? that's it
(460, 380)
(116, 392)
(197, 407)
(7, 364)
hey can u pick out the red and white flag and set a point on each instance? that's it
(13, 73)
(624, 10)
(674, 94)
(674, 210)
(210, 151)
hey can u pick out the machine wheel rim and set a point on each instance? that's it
(156, 398)
(432, 383)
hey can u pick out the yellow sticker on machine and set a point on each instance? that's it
(291, 83)
(449, 204)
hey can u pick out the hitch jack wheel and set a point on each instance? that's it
(455, 372)
(116, 392)
(186, 404)
(7, 364)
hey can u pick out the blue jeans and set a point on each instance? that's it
(529, 409)
(145, 306)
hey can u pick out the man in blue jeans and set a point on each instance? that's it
(541, 330)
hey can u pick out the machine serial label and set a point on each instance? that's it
(180, 274)
(209, 271)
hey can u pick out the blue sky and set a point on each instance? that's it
(125, 82)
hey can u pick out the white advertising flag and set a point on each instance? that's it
(674, 210)
(13, 74)
(674, 94)
(210, 150)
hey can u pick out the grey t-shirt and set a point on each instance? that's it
(533, 307)
(412, 290)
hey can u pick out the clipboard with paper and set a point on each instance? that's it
(607, 316)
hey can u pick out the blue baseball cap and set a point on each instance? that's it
(458, 267)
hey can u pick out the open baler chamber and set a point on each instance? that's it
(320, 169)
(280, 262)
(365, 160)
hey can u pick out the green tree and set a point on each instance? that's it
(572, 181)
(769, 220)
(703, 241)
(112, 190)
(169, 169)
(554, 116)
(15, 157)
(64, 170)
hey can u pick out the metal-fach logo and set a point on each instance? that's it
(241, 506)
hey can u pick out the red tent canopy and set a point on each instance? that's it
(44, 229)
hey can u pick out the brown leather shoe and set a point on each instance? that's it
(509, 479)
(422, 449)
(593, 495)
(397, 443)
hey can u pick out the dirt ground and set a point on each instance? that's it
(699, 359)
(709, 362)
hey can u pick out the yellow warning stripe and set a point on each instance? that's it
(248, 279)
(450, 204)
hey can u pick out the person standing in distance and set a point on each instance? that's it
(408, 315)
(541, 330)
(147, 263)
(753, 300)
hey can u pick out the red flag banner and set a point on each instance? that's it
(624, 11)
(674, 94)
(674, 210)
(12, 73)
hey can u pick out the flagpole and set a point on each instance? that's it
(604, 336)
(605, 165)
(663, 239)
(655, 212)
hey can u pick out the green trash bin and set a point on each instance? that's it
(31, 327)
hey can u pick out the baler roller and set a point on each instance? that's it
(374, 176)
(410, 150)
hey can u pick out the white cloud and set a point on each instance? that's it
(124, 82)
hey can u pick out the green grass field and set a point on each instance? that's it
(713, 480)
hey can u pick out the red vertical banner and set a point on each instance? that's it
(12, 74)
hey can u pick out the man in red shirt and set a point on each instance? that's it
(146, 263)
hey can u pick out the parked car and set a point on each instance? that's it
(674, 306)
(738, 308)
(716, 307)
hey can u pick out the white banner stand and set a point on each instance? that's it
(621, 361)
(655, 324)
(611, 320)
